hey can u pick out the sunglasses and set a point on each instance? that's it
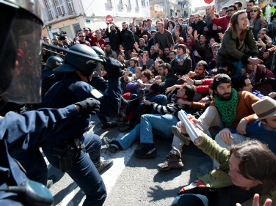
(81, 36)
(253, 10)
(230, 10)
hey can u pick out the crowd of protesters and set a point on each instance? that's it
(219, 67)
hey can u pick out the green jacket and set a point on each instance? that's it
(219, 178)
(232, 50)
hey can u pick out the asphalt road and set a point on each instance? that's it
(131, 181)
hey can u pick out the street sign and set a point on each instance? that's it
(109, 18)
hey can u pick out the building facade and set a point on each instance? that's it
(73, 15)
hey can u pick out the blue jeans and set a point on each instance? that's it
(84, 172)
(191, 200)
(142, 109)
(158, 124)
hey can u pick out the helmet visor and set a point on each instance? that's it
(20, 59)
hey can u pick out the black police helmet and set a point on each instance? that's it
(98, 50)
(53, 62)
(82, 58)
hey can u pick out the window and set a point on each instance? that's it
(143, 2)
(70, 7)
(59, 7)
(48, 10)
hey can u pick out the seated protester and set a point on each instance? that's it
(166, 71)
(152, 53)
(146, 62)
(140, 108)
(141, 46)
(146, 38)
(133, 86)
(226, 68)
(257, 73)
(229, 109)
(133, 64)
(173, 54)
(166, 55)
(238, 45)
(154, 67)
(190, 42)
(97, 40)
(212, 63)
(159, 124)
(109, 52)
(202, 48)
(263, 129)
(241, 82)
(182, 64)
(82, 37)
(200, 71)
(246, 169)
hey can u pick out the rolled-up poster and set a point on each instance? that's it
(190, 128)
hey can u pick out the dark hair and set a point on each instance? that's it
(239, 3)
(251, 1)
(173, 24)
(238, 81)
(202, 63)
(218, 79)
(182, 46)
(135, 60)
(234, 6)
(190, 91)
(225, 8)
(257, 162)
(148, 74)
(165, 66)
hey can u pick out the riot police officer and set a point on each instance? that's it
(48, 76)
(20, 135)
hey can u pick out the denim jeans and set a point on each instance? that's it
(84, 172)
(151, 124)
(142, 109)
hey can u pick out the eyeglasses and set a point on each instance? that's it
(230, 10)
(253, 10)
(81, 36)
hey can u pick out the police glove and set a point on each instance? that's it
(89, 106)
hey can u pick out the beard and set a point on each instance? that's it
(225, 96)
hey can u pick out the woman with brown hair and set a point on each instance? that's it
(246, 169)
(238, 45)
(257, 22)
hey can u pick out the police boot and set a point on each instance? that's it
(103, 165)
(173, 161)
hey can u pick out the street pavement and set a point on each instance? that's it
(131, 181)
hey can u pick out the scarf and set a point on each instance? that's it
(227, 108)
(181, 57)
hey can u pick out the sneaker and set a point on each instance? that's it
(145, 151)
(173, 161)
(103, 165)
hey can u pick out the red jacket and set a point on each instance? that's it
(222, 21)
(101, 41)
